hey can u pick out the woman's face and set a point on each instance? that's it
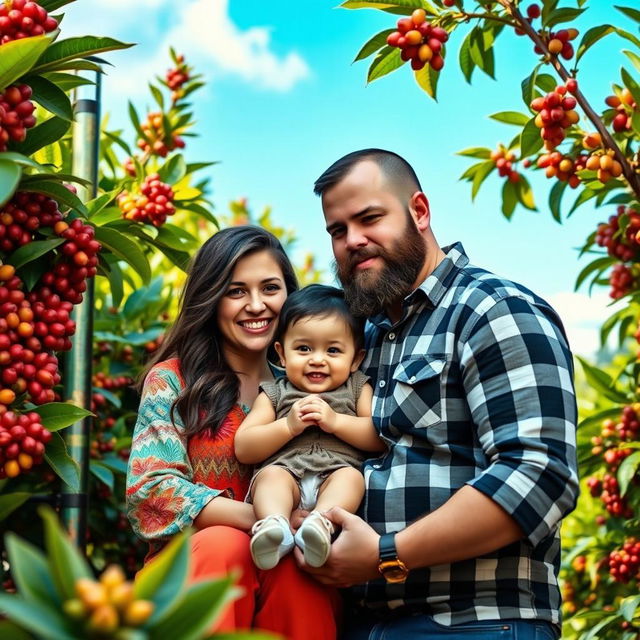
(247, 313)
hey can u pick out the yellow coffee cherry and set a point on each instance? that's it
(138, 612)
(104, 619)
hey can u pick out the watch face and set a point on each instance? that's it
(393, 571)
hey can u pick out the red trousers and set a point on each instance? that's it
(283, 600)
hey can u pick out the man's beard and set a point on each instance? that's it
(368, 292)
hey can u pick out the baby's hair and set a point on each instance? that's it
(319, 301)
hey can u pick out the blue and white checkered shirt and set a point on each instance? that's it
(473, 386)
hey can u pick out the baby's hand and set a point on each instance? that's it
(316, 411)
(294, 420)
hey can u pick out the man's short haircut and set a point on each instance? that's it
(319, 301)
(397, 172)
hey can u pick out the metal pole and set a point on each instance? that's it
(78, 362)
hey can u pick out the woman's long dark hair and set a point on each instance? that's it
(211, 387)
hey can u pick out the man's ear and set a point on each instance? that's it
(280, 351)
(420, 210)
(357, 360)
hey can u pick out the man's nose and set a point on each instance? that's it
(355, 239)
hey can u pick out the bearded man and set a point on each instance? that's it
(458, 533)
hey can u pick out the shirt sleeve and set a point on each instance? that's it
(162, 498)
(518, 376)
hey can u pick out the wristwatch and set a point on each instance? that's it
(393, 570)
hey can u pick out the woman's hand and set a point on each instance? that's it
(315, 410)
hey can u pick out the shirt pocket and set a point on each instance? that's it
(417, 393)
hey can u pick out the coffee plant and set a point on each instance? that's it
(590, 145)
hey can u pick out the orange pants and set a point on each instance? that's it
(283, 600)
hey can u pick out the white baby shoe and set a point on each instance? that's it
(271, 539)
(314, 538)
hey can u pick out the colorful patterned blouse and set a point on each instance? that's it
(171, 477)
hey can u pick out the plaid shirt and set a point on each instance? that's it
(473, 386)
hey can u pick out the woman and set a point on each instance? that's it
(198, 389)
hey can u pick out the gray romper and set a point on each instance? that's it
(314, 454)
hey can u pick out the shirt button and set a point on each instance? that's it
(412, 379)
(392, 336)
(381, 383)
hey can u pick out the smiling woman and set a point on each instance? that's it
(182, 470)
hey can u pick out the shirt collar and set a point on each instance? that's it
(434, 286)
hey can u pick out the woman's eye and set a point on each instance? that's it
(272, 288)
(235, 293)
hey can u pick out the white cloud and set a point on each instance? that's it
(582, 316)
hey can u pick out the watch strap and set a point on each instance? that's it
(387, 547)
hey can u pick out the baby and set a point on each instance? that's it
(307, 429)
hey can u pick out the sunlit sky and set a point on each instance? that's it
(283, 101)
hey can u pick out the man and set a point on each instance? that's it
(474, 397)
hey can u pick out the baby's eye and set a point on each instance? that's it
(333, 350)
(303, 348)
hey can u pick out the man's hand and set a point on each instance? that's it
(315, 410)
(354, 554)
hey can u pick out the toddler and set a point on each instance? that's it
(307, 429)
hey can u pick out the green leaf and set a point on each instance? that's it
(602, 382)
(546, 82)
(30, 571)
(528, 86)
(509, 199)
(628, 607)
(11, 630)
(628, 36)
(125, 249)
(62, 464)
(600, 264)
(52, 5)
(196, 610)
(55, 190)
(373, 44)
(117, 284)
(480, 176)
(58, 415)
(382, 4)
(585, 195)
(67, 81)
(106, 216)
(104, 474)
(50, 96)
(173, 170)
(199, 210)
(42, 134)
(555, 198)
(18, 56)
(482, 56)
(66, 562)
(10, 173)
(72, 48)
(591, 37)
(547, 8)
(635, 59)
(20, 159)
(387, 60)
(511, 117)
(9, 502)
(631, 84)
(530, 140)
(525, 194)
(562, 15)
(427, 80)
(627, 471)
(475, 152)
(161, 579)
(157, 95)
(35, 617)
(634, 14)
(467, 65)
(33, 250)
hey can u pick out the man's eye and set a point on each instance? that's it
(336, 233)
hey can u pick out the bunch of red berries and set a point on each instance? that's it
(16, 114)
(22, 19)
(620, 243)
(559, 43)
(156, 141)
(22, 442)
(53, 325)
(624, 563)
(152, 205)
(622, 281)
(111, 383)
(613, 502)
(419, 41)
(504, 160)
(176, 78)
(78, 262)
(129, 167)
(555, 114)
(22, 215)
(564, 168)
(625, 105)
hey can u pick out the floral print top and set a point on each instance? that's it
(171, 477)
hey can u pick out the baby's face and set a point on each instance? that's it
(318, 353)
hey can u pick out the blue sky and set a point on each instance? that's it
(283, 101)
